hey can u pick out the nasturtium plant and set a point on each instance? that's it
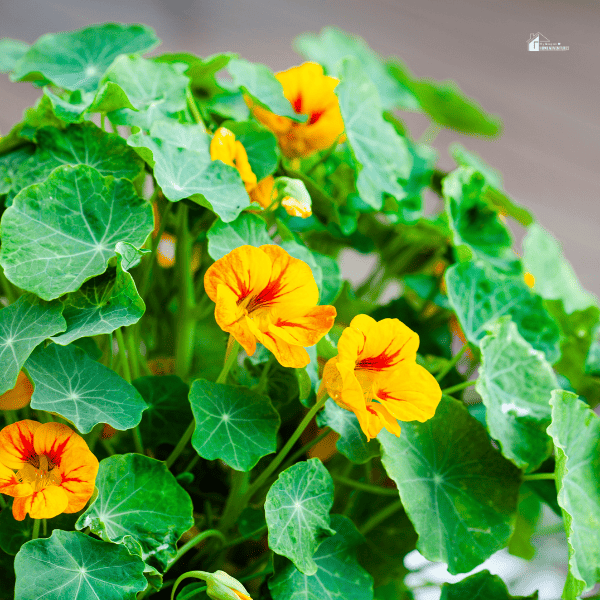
(191, 387)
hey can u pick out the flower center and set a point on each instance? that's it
(40, 473)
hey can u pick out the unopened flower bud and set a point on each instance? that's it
(221, 586)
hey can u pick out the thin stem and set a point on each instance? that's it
(452, 363)
(539, 476)
(261, 386)
(233, 348)
(191, 464)
(292, 459)
(3, 503)
(35, 534)
(324, 156)
(365, 487)
(257, 484)
(181, 444)
(193, 106)
(459, 386)
(244, 538)
(10, 416)
(123, 354)
(381, 516)
(102, 121)
(93, 436)
(234, 506)
(134, 353)
(137, 440)
(194, 542)
(111, 355)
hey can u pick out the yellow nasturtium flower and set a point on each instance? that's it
(310, 93)
(263, 294)
(226, 148)
(19, 396)
(47, 468)
(375, 375)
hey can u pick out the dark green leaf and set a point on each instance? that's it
(575, 430)
(180, 157)
(382, 158)
(297, 511)
(338, 575)
(78, 59)
(515, 383)
(480, 586)
(168, 414)
(59, 233)
(10, 52)
(139, 497)
(246, 229)
(480, 295)
(23, 325)
(528, 514)
(252, 522)
(71, 384)
(233, 424)
(72, 565)
(458, 491)
(353, 442)
(13, 534)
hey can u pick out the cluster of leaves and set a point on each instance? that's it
(109, 338)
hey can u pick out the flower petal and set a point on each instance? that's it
(9, 484)
(374, 418)
(230, 319)
(79, 468)
(19, 396)
(16, 443)
(45, 504)
(288, 355)
(263, 192)
(410, 393)
(305, 330)
(54, 440)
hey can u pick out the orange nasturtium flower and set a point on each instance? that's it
(55, 470)
(226, 148)
(375, 375)
(263, 294)
(19, 396)
(310, 93)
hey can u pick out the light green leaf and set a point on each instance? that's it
(139, 497)
(10, 52)
(528, 514)
(458, 491)
(260, 145)
(83, 144)
(331, 284)
(262, 86)
(9, 165)
(474, 223)
(68, 382)
(103, 303)
(338, 575)
(60, 233)
(233, 424)
(23, 325)
(183, 168)
(201, 71)
(575, 430)
(383, 161)
(297, 511)
(156, 90)
(76, 60)
(353, 443)
(466, 158)
(554, 276)
(168, 414)
(72, 565)
(480, 295)
(515, 383)
(331, 45)
(480, 586)
(246, 229)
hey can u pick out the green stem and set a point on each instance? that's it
(539, 476)
(230, 359)
(323, 157)
(102, 121)
(10, 416)
(452, 363)
(191, 464)
(193, 106)
(134, 353)
(257, 484)
(194, 542)
(186, 324)
(381, 516)
(93, 436)
(261, 386)
(181, 444)
(234, 506)
(292, 459)
(459, 386)
(137, 440)
(110, 351)
(3, 504)
(244, 538)
(123, 354)
(365, 487)
(36, 529)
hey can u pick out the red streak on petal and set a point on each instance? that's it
(28, 454)
(297, 104)
(371, 410)
(315, 117)
(381, 361)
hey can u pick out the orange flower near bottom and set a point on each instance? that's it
(375, 375)
(47, 468)
(19, 396)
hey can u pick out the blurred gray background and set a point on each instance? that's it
(550, 150)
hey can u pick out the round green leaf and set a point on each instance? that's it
(575, 430)
(480, 586)
(459, 492)
(9, 165)
(297, 511)
(10, 52)
(78, 59)
(233, 424)
(72, 565)
(353, 442)
(59, 233)
(515, 383)
(139, 497)
(247, 229)
(73, 385)
(480, 295)
(338, 574)
(23, 325)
